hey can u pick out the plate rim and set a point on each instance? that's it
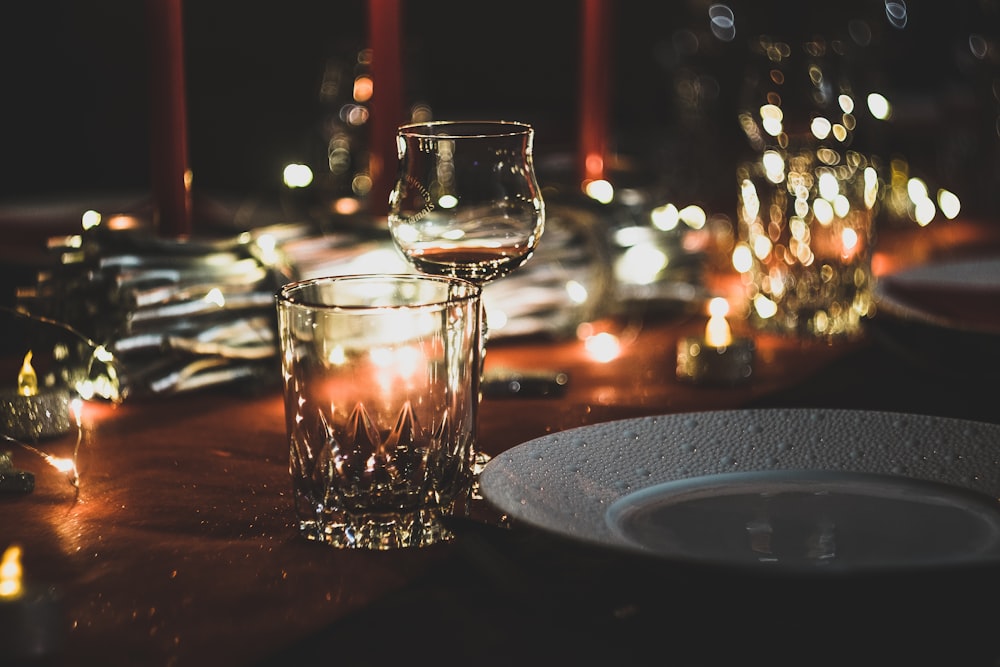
(497, 473)
(889, 301)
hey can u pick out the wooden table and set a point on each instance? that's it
(179, 547)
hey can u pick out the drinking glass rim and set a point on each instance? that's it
(471, 291)
(474, 128)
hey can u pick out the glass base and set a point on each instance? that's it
(379, 532)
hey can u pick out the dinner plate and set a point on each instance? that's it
(943, 316)
(786, 490)
(958, 294)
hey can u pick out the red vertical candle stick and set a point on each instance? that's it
(168, 120)
(595, 88)
(387, 100)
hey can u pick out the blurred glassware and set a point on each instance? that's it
(567, 282)
(808, 195)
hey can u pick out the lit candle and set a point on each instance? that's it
(31, 412)
(32, 624)
(387, 100)
(716, 357)
(168, 137)
(718, 332)
(595, 88)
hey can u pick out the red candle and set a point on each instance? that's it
(168, 122)
(595, 87)
(387, 100)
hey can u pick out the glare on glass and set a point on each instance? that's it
(381, 388)
(466, 201)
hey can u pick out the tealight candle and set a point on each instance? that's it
(31, 412)
(32, 623)
(716, 357)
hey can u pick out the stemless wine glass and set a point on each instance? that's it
(466, 201)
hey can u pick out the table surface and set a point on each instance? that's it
(179, 547)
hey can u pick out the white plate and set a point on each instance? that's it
(834, 478)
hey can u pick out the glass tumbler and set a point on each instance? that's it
(381, 388)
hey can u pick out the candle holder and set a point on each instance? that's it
(702, 363)
(31, 412)
(32, 418)
(717, 357)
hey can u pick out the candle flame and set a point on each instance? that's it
(27, 379)
(61, 464)
(66, 466)
(603, 347)
(10, 572)
(717, 331)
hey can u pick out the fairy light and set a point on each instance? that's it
(10, 573)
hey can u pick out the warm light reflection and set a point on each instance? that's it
(215, 296)
(717, 331)
(297, 175)
(665, 217)
(576, 291)
(949, 204)
(498, 318)
(267, 249)
(771, 118)
(396, 365)
(742, 258)
(640, 265)
(765, 308)
(693, 216)
(600, 190)
(121, 222)
(10, 573)
(361, 184)
(924, 211)
(336, 356)
(90, 219)
(66, 466)
(363, 89)
(821, 127)
(916, 189)
(346, 206)
(805, 233)
(603, 347)
(27, 379)
(879, 106)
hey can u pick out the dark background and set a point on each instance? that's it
(75, 113)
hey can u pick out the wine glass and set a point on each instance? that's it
(466, 201)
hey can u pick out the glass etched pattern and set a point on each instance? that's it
(381, 400)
